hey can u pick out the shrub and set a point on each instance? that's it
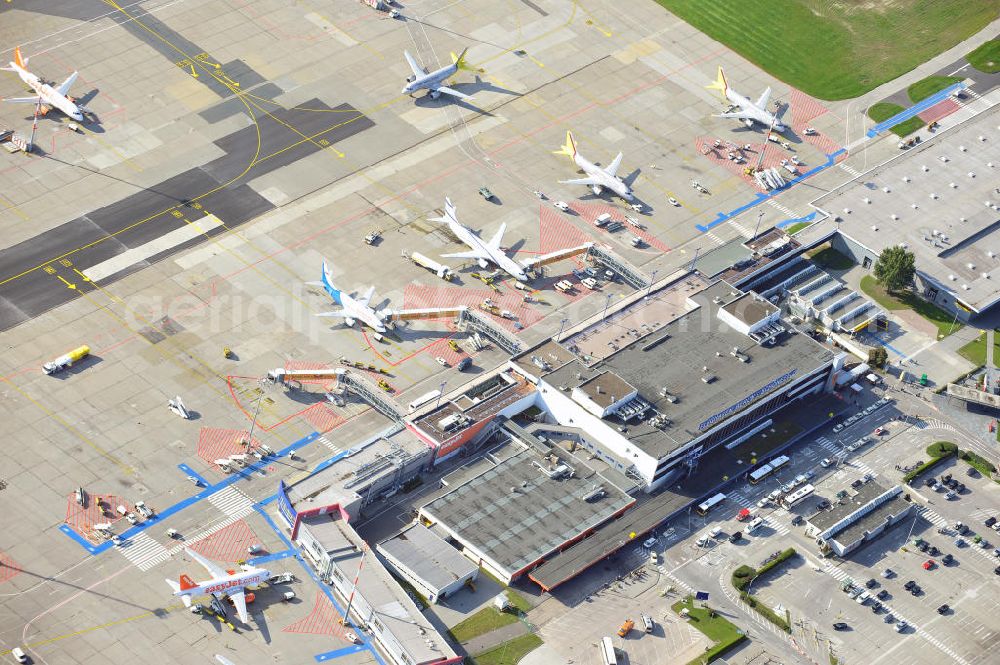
(742, 576)
(942, 449)
(984, 466)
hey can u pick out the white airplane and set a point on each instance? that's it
(483, 252)
(223, 583)
(434, 81)
(750, 112)
(355, 309)
(597, 178)
(48, 96)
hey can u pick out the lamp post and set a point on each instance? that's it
(607, 301)
(760, 216)
(440, 394)
(562, 324)
(652, 278)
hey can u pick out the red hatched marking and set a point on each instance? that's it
(823, 143)
(215, 443)
(591, 211)
(556, 232)
(939, 110)
(419, 296)
(322, 418)
(227, 544)
(322, 620)
(8, 567)
(441, 349)
(83, 518)
(804, 108)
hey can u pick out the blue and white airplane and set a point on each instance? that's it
(484, 252)
(354, 309)
(434, 81)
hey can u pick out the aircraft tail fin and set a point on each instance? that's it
(720, 83)
(186, 583)
(449, 213)
(568, 148)
(328, 283)
(18, 59)
(459, 60)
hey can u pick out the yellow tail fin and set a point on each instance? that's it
(18, 60)
(720, 83)
(459, 59)
(568, 148)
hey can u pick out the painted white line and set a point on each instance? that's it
(130, 257)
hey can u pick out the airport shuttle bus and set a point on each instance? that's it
(710, 503)
(760, 473)
(424, 399)
(608, 651)
(798, 496)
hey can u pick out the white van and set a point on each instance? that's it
(22, 657)
(647, 622)
(755, 524)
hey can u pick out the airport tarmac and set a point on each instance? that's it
(237, 145)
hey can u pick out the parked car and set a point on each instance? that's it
(930, 482)
(889, 618)
(871, 584)
(901, 626)
(823, 505)
(883, 594)
(797, 520)
(990, 521)
(876, 607)
(909, 584)
(928, 565)
(840, 625)
(996, 571)
(888, 572)
(826, 462)
(735, 538)
(947, 559)
(943, 609)
(838, 427)
(933, 551)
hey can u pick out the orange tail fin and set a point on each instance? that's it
(18, 60)
(187, 583)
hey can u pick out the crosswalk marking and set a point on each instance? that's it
(932, 516)
(329, 444)
(785, 209)
(740, 499)
(744, 231)
(715, 238)
(934, 423)
(232, 502)
(143, 551)
(854, 172)
(779, 527)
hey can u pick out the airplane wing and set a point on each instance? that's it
(580, 181)
(418, 71)
(240, 603)
(64, 88)
(454, 93)
(213, 569)
(365, 299)
(741, 115)
(498, 236)
(21, 100)
(342, 313)
(463, 255)
(764, 96)
(613, 166)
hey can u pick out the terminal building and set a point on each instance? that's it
(428, 562)
(858, 518)
(668, 377)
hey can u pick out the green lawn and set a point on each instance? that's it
(518, 601)
(944, 321)
(484, 621)
(986, 58)
(924, 88)
(509, 653)
(829, 258)
(834, 50)
(796, 227)
(883, 111)
(975, 351)
(723, 634)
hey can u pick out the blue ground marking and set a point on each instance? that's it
(916, 109)
(191, 472)
(789, 222)
(190, 501)
(724, 217)
(274, 556)
(354, 648)
(328, 463)
(887, 345)
(327, 591)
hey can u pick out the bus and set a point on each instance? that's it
(424, 399)
(608, 651)
(762, 472)
(798, 496)
(710, 503)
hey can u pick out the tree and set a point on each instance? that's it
(878, 356)
(894, 268)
